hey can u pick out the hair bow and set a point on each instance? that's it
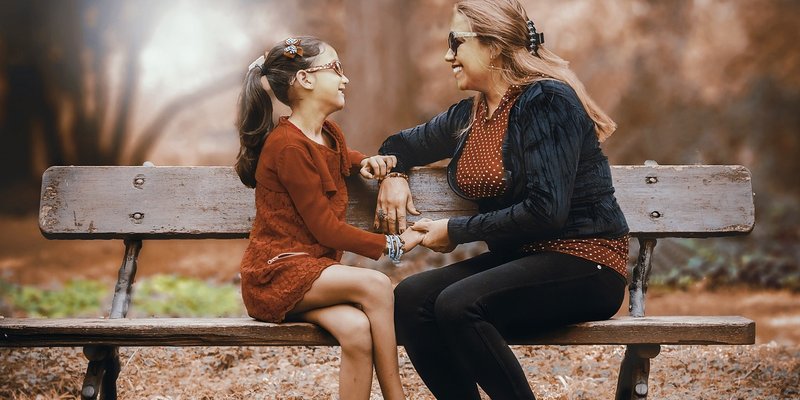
(292, 48)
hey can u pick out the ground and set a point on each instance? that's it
(768, 370)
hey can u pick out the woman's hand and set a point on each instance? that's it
(394, 199)
(436, 237)
(377, 166)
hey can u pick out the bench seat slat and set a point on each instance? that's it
(41, 332)
(102, 202)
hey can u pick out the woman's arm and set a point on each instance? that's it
(429, 142)
(423, 144)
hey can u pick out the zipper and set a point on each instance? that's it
(286, 255)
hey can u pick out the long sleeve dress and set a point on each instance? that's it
(299, 227)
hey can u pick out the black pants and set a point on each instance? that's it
(453, 320)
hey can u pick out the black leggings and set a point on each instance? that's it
(452, 320)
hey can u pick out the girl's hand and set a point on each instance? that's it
(394, 199)
(411, 238)
(436, 237)
(377, 166)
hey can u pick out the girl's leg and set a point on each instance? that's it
(351, 328)
(519, 298)
(428, 348)
(372, 291)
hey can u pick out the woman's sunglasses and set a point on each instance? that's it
(335, 65)
(455, 39)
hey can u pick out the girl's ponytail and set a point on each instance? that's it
(254, 123)
(254, 120)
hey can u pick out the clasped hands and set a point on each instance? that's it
(394, 200)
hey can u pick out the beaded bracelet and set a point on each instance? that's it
(394, 247)
(394, 175)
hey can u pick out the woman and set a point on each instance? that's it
(291, 269)
(526, 149)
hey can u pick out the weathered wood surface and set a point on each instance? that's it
(32, 332)
(210, 202)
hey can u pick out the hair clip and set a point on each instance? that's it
(535, 38)
(259, 62)
(292, 48)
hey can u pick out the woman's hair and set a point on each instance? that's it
(502, 25)
(254, 120)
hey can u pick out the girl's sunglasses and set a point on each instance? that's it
(455, 39)
(335, 65)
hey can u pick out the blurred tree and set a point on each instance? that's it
(58, 74)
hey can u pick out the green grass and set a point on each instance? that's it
(75, 298)
(159, 295)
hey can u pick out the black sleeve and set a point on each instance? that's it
(552, 130)
(429, 142)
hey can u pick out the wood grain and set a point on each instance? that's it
(40, 332)
(210, 202)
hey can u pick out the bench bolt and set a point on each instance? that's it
(641, 389)
(651, 179)
(137, 215)
(138, 181)
(88, 392)
(655, 214)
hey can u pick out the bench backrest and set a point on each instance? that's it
(210, 202)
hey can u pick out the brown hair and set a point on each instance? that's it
(502, 25)
(254, 120)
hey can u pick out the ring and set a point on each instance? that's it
(381, 215)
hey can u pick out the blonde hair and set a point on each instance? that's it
(502, 25)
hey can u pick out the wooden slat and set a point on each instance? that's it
(31, 332)
(210, 202)
(691, 200)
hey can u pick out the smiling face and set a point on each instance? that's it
(326, 84)
(471, 62)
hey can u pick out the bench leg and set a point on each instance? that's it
(101, 374)
(104, 366)
(634, 371)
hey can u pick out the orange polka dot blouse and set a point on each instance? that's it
(480, 174)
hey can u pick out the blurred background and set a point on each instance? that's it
(117, 82)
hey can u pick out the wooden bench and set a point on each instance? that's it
(134, 204)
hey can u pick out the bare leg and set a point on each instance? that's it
(372, 290)
(350, 327)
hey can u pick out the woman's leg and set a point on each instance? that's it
(518, 298)
(421, 335)
(372, 291)
(351, 328)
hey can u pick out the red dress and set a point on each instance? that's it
(299, 227)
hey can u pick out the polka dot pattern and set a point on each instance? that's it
(480, 171)
(609, 252)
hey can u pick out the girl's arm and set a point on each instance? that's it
(297, 174)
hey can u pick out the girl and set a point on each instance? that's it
(291, 270)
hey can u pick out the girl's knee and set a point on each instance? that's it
(376, 289)
(354, 332)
